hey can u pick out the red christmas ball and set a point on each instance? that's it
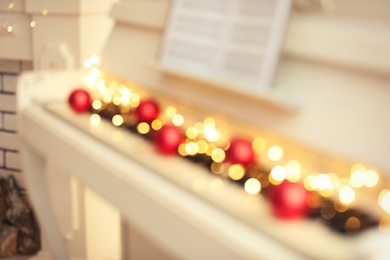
(168, 139)
(79, 100)
(240, 152)
(147, 111)
(289, 200)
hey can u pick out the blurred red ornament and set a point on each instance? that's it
(168, 139)
(240, 152)
(147, 111)
(79, 100)
(289, 200)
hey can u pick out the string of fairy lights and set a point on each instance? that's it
(7, 27)
(203, 141)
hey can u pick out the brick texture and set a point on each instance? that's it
(9, 83)
(10, 66)
(9, 122)
(9, 141)
(10, 157)
(7, 102)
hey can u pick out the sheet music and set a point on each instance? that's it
(231, 40)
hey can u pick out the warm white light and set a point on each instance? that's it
(210, 132)
(135, 99)
(192, 148)
(9, 28)
(252, 186)
(371, 178)
(309, 182)
(278, 173)
(143, 128)
(178, 120)
(156, 124)
(101, 85)
(117, 120)
(293, 168)
(218, 155)
(275, 153)
(97, 104)
(357, 178)
(347, 195)
(94, 120)
(322, 182)
(203, 146)
(32, 24)
(384, 200)
(191, 132)
(236, 172)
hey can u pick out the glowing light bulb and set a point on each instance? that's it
(203, 146)
(278, 174)
(371, 178)
(322, 182)
(32, 24)
(357, 178)
(94, 120)
(178, 120)
(275, 153)
(218, 155)
(157, 124)
(252, 186)
(293, 168)
(384, 200)
(117, 120)
(192, 132)
(192, 148)
(347, 195)
(210, 132)
(236, 172)
(97, 104)
(143, 128)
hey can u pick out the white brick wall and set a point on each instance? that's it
(7, 102)
(10, 157)
(9, 122)
(9, 141)
(9, 83)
